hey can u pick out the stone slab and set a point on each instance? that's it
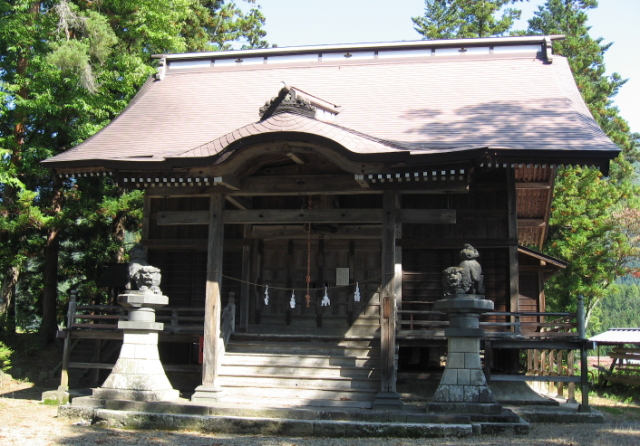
(276, 427)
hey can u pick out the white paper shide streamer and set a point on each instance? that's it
(325, 300)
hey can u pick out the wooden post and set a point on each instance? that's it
(514, 292)
(552, 360)
(571, 393)
(64, 373)
(210, 390)
(388, 397)
(584, 364)
(560, 386)
(245, 288)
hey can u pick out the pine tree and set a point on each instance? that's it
(594, 219)
(448, 19)
(66, 69)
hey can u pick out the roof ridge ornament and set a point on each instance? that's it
(293, 100)
(287, 101)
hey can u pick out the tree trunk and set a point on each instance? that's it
(8, 302)
(48, 326)
(119, 235)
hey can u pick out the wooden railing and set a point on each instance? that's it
(563, 324)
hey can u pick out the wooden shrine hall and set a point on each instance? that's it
(326, 188)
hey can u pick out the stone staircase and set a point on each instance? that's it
(295, 370)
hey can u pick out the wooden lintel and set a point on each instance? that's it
(295, 158)
(228, 181)
(288, 216)
(240, 202)
(427, 216)
(291, 216)
(183, 218)
(439, 243)
(192, 244)
(337, 184)
(350, 232)
(531, 223)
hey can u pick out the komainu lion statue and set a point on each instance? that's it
(466, 278)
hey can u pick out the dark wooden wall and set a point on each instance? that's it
(482, 219)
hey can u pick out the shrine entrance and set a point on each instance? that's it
(343, 286)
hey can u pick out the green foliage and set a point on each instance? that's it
(620, 309)
(594, 221)
(448, 19)
(5, 357)
(67, 68)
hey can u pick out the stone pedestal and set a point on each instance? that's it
(463, 387)
(138, 374)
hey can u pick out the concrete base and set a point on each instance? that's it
(206, 394)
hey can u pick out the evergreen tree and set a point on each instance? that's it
(594, 219)
(448, 19)
(67, 68)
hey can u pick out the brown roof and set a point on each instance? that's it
(516, 102)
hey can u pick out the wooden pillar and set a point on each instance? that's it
(210, 390)
(514, 292)
(388, 397)
(245, 288)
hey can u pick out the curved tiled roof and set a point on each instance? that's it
(418, 104)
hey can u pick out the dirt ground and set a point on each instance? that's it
(25, 421)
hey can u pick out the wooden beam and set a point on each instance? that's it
(228, 181)
(350, 232)
(440, 243)
(336, 184)
(294, 216)
(427, 216)
(310, 185)
(181, 218)
(240, 202)
(287, 216)
(192, 244)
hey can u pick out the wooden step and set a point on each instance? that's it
(307, 382)
(286, 371)
(258, 359)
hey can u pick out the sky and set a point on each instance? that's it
(316, 22)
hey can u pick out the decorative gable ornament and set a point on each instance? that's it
(287, 101)
(294, 100)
